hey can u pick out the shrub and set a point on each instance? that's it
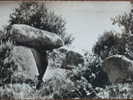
(117, 91)
(93, 71)
(7, 62)
(66, 89)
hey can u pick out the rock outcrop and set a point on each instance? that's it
(72, 58)
(118, 68)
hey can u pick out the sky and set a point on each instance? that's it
(86, 20)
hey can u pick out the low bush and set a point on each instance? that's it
(7, 62)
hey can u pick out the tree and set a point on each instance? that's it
(126, 21)
(111, 43)
(38, 15)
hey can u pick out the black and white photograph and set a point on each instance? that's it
(66, 50)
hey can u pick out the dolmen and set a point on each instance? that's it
(39, 41)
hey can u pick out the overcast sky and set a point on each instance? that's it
(86, 20)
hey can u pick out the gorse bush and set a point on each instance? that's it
(117, 91)
(93, 71)
(104, 47)
(7, 63)
(66, 88)
(113, 43)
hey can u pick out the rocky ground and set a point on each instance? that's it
(57, 81)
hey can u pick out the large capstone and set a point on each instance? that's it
(118, 68)
(31, 37)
